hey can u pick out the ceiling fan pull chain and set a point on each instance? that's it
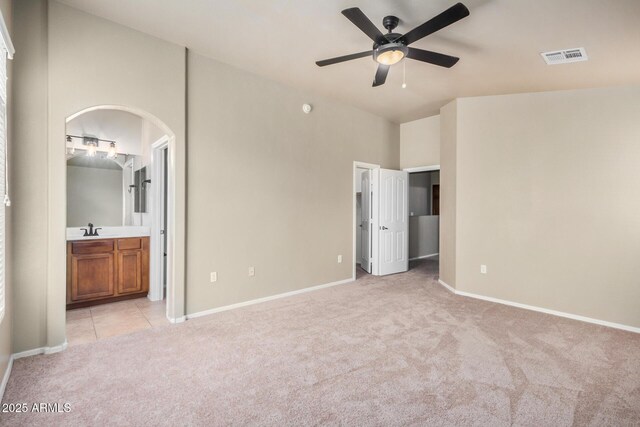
(404, 74)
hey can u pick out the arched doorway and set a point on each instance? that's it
(163, 236)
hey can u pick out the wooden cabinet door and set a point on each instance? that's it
(92, 276)
(129, 272)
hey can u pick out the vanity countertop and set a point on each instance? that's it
(75, 233)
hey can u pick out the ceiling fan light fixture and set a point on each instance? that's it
(390, 54)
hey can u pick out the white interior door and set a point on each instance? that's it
(365, 222)
(393, 222)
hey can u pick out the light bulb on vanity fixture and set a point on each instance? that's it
(92, 146)
(111, 152)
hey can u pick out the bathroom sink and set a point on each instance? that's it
(75, 233)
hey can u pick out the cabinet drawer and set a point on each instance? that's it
(129, 244)
(92, 247)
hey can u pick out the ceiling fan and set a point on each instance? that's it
(391, 48)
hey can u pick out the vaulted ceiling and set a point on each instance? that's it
(499, 45)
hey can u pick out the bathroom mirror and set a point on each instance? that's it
(141, 182)
(100, 190)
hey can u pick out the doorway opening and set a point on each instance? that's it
(119, 206)
(381, 219)
(160, 219)
(362, 219)
(424, 214)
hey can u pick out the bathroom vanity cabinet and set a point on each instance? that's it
(106, 270)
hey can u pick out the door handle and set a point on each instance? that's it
(382, 227)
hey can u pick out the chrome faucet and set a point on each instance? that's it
(91, 231)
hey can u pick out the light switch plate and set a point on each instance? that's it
(339, 259)
(213, 277)
(483, 269)
(252, 271)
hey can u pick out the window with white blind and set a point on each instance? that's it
(6, 52)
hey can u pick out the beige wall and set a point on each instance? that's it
(448, 170)
(420, 142)
(94, 196)
(270, 186)
(84, 61)
(547, 198)
(423, 235)
(29, 175)
(6, 324)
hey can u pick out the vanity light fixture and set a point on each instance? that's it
(92, 145)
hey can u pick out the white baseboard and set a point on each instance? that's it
(449, 288)
(177, 319)
(5, 377)
(265, 299)
(27, 353)
(150, 298)
(543, 310)
(41, 350)
(424, 256)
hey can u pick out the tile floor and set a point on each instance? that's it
(90, 324)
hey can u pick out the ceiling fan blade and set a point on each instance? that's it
(361, 21)
(343, 58)
(448, 17)
(381, 75)
(432, 57)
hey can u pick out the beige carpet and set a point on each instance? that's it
(398, 350)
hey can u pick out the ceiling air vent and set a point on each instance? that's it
(565, 56)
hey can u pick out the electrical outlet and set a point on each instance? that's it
(483, 269)
(252, 271)
(339, 259)
(213, 277)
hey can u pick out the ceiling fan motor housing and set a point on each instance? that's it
(390, 22)
(386, 38)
